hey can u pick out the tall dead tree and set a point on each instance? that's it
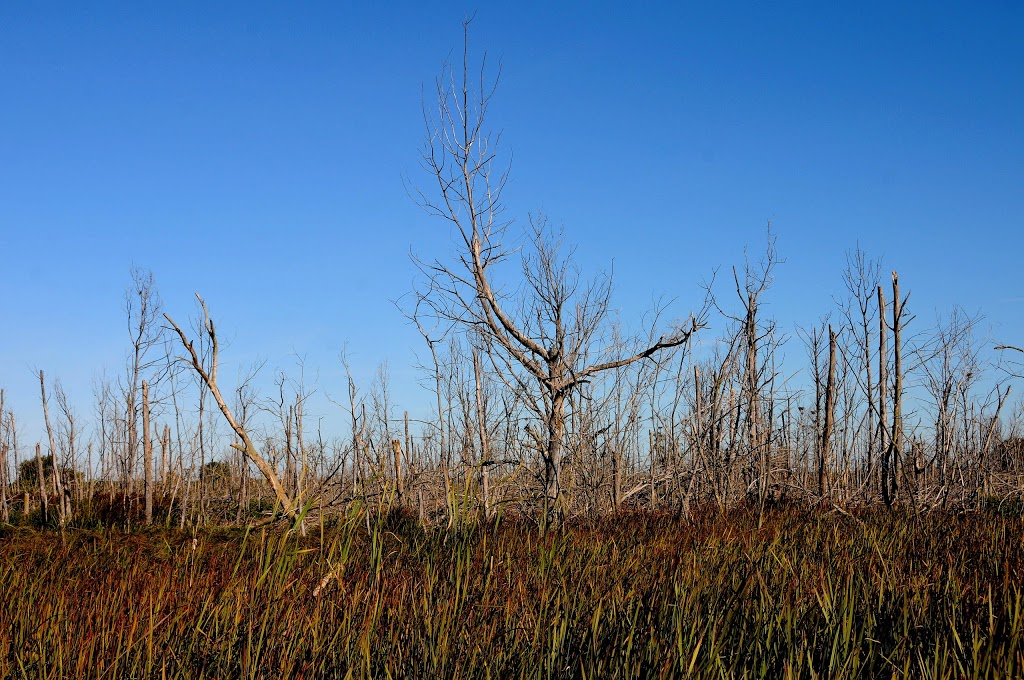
(861, 277)
(887, 478)
(547, 331)
(63, 501)
(147, 453)
(435, 371)
(208, 376)
(894, 447)
(66, 440)
(41, 474)
(4, 481)
(830, 416)
(142, 307)
(396, 449)
(481, 418)
(757, 279)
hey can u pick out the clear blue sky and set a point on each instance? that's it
(255, 152)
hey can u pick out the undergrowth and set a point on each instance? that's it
(787, 593)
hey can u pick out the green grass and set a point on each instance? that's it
(788, 594)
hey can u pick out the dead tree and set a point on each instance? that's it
(142, 306)
(481, 417)
(209, 379)
(63, 502)
(40, 473)
(396, 449)
(830, 415)
(861, 277)
(147, 453)
(67, 438)
(548, 330)
(894, 447)
(887, 479)
(4, 481)
(757, 279)
(435, 370)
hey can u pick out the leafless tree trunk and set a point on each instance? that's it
(357, 432)
(63, 506)
(443, 460)
(209, 378)
(830, 408)
(481, 417)
(300, 443)
(142, 306)
(147, 452)
(895, 448)
(13, 431)
(862, 278)
(757, 279)
(888, 475)
(396, 448)
(67, 438)
(42, 484)
(4, 481)
(165, 446)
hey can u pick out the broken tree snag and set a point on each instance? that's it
(209, 378)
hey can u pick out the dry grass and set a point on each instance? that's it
(787, 594)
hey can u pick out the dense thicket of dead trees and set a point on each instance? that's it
(542, 403)
(884, 409)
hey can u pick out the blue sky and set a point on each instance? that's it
(255, 152)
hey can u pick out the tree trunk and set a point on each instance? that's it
(553, 457)
(165, 446)
(63, 504)
(896, 433)
(758, 453)
(481, 418)
(396, 447)
(43, 503)
(616, 479)
(147, 453)
(830, 408)
(246, 446)
(4, 514)
(883, 396)
(301, 461)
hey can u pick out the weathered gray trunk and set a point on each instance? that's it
(4, 515)
(481, 417)
(830, 408)
(896, 439)
(147, 453)
(44, 504)
(553, 456)
(883, 400)
(63, 503)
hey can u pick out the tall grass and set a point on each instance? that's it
(790, 593)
